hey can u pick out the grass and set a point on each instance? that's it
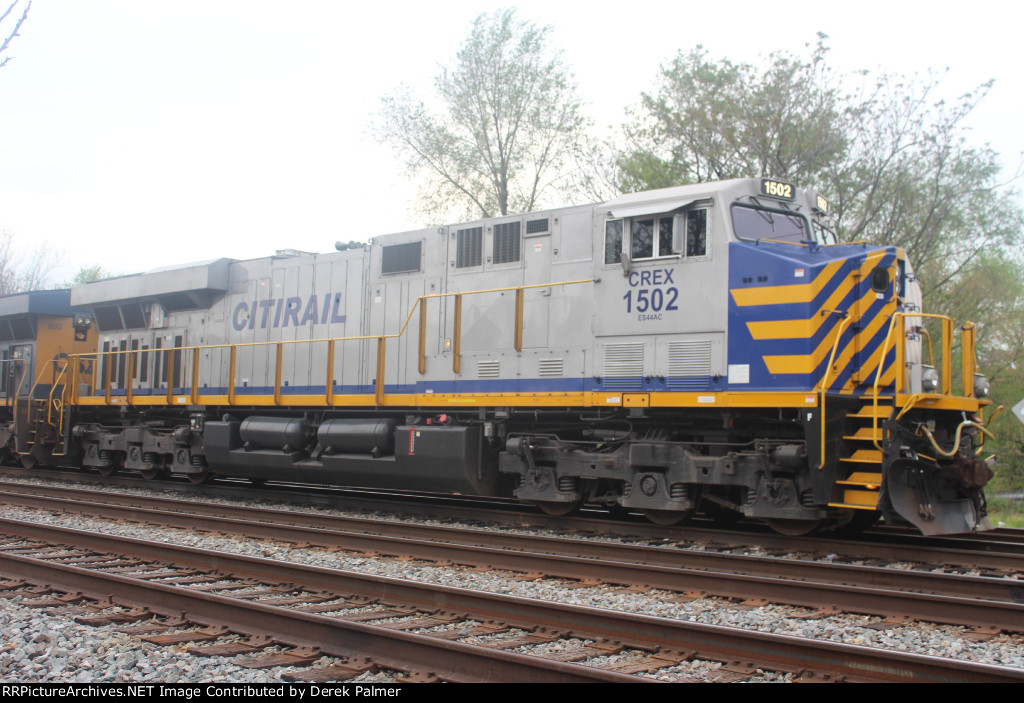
(1006, 512)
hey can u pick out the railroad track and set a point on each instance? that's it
(986, 603)
(999, 552)
(419, 631)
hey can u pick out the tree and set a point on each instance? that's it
(7, 38)
(509, 122)
(894, 160)
(716, 120)
(16, 274)
(87, 274)
(21, 272)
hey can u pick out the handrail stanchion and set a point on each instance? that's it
(519, 320)
(379, 381)
(277, 373)
(329, 381)
(824, 384)
(106, 378)
(422, 302)
(457, 336)
(170, 362)
(947, 355)
(129, 392)
(968, 362)
(195, 376)
(232, 370)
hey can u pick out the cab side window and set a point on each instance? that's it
(684, 235)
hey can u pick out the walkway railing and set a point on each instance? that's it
(172, 356)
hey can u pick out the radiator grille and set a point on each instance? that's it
(550, 367)
(488, 369)
(506, 242)
(624, 366)
(469, 247)
(689, 365)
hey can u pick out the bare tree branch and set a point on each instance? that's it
(6, 42)
(510, 123)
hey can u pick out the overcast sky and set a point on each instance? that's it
(143, 133)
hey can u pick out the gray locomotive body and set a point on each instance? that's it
(655, 352)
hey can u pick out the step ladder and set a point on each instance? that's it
(41, 426)
(862, 460)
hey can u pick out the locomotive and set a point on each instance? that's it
(696, 348)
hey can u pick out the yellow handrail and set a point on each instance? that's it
(896, 322)
(174, 352)
(62, 400)
(968, 364)
(823, 387)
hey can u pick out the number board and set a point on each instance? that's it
(777, 189)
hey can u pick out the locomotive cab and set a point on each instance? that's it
(39, 331)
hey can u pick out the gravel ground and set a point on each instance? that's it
(44, 645)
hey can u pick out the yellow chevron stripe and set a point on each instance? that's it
(783, 329)
(862, 338)
(870, 366)
(805, 329)
(780, 295)
(806, 363)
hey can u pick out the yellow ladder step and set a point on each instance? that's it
(866, 434)
(869, 411)
(854, 506)
(868, 499)
(864, 456)
(866, 479)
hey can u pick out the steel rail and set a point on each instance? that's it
(1000, 550)
(395, 649)
(392, 537)
(770, 651)
(955, 599)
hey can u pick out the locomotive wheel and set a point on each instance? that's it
(199, 478)
(667, 518)
(106, 470)
(28, 461)
(555, 509)
(150, 474)
(795, 528)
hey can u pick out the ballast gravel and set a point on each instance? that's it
(46, 645)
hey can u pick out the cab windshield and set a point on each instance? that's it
(753, 223)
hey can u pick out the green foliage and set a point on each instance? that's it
(717, 120)
(893, 159)
(1006, 512)
(510, 121)
(88, 274)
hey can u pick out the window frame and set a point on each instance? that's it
(679, 235)
(808, 227)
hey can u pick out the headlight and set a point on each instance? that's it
(929, 379)
(981, 386)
